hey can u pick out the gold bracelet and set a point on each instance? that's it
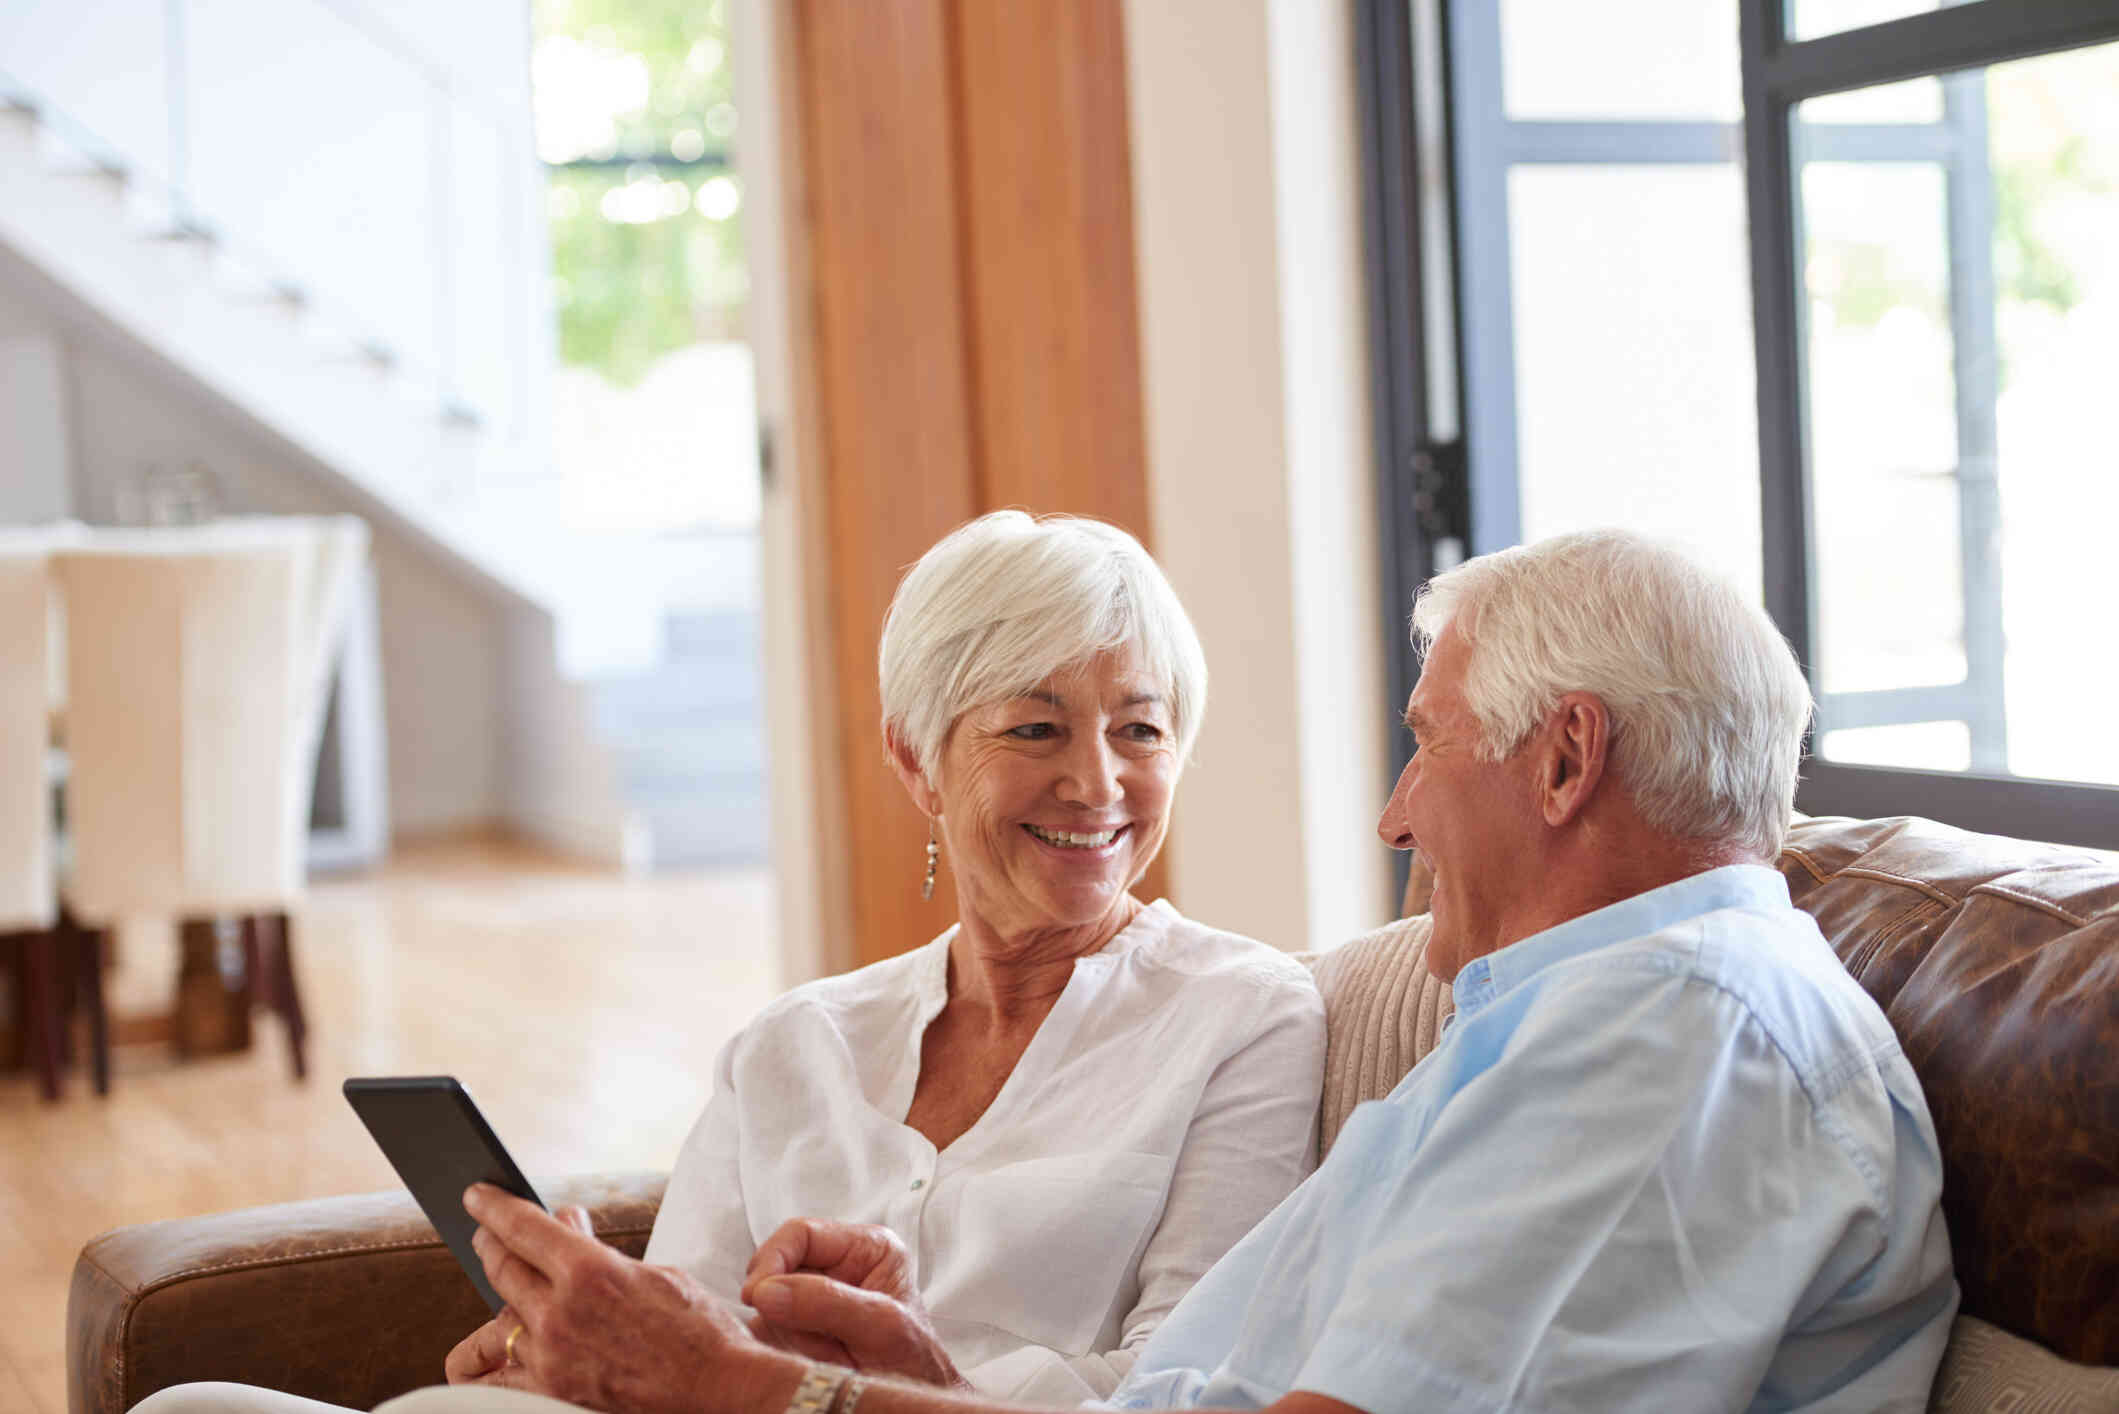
(819, 1389)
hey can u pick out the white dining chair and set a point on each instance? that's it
(193, 709)
(53, 962)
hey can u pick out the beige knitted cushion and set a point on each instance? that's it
(1988, 1371)
(1383, 1011)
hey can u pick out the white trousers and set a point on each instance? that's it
(437, 1399)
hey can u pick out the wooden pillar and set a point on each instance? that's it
(965, 246)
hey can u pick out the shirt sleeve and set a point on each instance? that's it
(1251, 1140)
(702, 1226)
(1617, 1206)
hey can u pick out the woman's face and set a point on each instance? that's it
(1053, 803)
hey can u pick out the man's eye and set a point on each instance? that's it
(1031, 731)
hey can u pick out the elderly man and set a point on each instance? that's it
(1667, 1156)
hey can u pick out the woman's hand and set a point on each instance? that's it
(843, 1292)
(597, 1328)
(480, 1356)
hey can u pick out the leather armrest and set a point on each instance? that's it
(350, 1300)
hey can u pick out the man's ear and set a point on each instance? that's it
(905, 764)
(1577, 746)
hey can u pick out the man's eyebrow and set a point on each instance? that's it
(1416, 721)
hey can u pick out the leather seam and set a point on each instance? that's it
(2051, 909)
(1893, 931)
(129, 1303)
(1810, 865)
(294, 1259)
(1884, 876)
(2001, 891)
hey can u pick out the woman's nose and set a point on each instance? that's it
(1091, 775)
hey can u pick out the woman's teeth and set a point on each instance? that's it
(1067, 839)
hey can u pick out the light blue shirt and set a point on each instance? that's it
(1668, 1155)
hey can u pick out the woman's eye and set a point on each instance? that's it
(1143, 731)
(1031, 731)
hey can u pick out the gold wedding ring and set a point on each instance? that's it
(508, 1350)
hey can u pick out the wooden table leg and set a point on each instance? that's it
(42, 1008)
(269, 947)
(87, 947)
(211, 1017)
(297, 1023)
(14, 1037)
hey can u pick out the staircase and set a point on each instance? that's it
(651, 684)
(689, 742)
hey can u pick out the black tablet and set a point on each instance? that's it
(440, 1145)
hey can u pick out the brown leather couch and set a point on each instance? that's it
(1997, 961)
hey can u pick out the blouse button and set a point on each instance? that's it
(918, 1184)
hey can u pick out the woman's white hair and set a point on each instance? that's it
(1708, 706)
(1008, 600)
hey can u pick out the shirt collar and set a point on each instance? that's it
(1731, 886)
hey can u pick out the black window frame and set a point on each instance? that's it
(1426, 499)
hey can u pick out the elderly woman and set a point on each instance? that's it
(983, 1096)
(1069, 1104)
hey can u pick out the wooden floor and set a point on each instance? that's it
(582, 1010)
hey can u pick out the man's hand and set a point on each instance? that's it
(843, 1292)
(598, 1328)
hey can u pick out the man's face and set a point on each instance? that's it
(1472, 819)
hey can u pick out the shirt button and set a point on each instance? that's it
(918, 1184)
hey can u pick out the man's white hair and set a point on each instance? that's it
(1008, 600)
(1708, 705)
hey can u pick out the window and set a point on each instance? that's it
(1827, 291)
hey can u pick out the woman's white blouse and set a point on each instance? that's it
(1166, 1104)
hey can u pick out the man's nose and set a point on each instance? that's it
(1391, 826)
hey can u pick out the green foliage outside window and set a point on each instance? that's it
(647, 238)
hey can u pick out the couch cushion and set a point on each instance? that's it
(1383, 1011)
(1986, 1370)
(1997, 963)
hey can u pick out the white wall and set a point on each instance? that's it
(1340, 673)
(34, 451)
(1246, 203)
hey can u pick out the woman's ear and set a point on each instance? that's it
(905, 763)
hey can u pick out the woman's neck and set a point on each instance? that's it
(1017, 976)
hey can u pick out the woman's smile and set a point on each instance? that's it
(1077, 841)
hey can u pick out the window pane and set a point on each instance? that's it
(1914, 101)
(1963, 326)
(1808, 19)
(1883, 428)
(1923, 746)
(1634, 389)
(1645, 59)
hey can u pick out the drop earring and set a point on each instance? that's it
(934, 852)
